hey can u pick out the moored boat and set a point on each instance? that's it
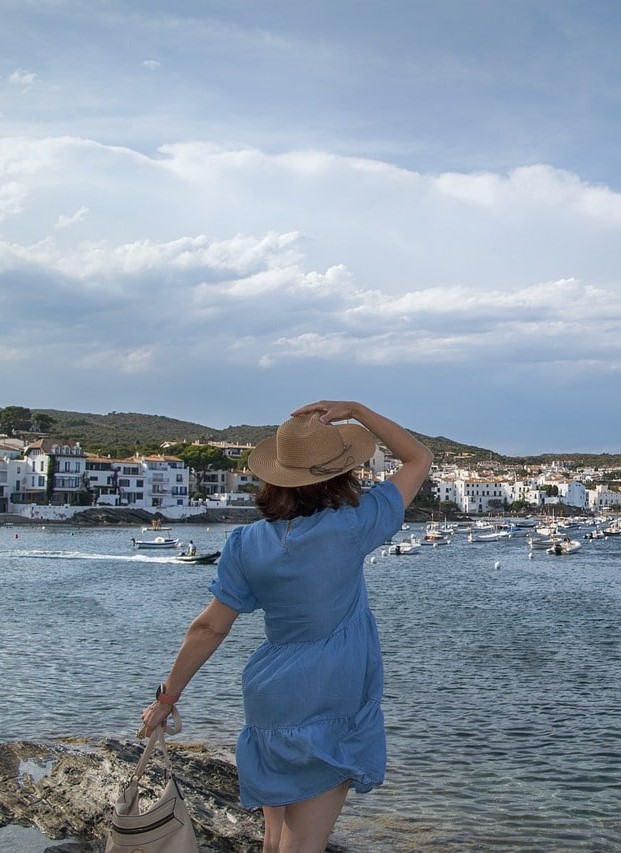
(405, 548)
(541, 543)
(564, 546)
(160, 542)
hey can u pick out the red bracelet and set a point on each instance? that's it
(166, 698)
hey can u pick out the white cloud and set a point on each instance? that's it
(234, 258)
(151, 64)
(11, 197)
(22, 78)
(64, 221)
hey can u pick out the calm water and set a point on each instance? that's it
(503, 693)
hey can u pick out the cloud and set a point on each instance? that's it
(22, 78)
(239, 259)
(151, 64)
(64, 221)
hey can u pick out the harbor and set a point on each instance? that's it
(501, 690)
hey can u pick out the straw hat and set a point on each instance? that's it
(305, 450)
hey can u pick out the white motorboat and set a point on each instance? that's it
(541, 543)
(160, 542)
(564, 546)
(405, 548)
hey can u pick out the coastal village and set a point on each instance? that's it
(48, 478)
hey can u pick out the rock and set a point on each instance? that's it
(67, 789)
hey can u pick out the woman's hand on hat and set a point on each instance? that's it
(330, 410)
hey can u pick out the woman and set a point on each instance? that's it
(312, 690)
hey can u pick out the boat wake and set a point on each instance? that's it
(83, 555)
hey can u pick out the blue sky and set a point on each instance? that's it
(219, 211)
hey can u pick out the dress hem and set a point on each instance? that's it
(352, 784)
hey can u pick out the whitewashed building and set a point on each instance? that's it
(147, 482)
(601, 497)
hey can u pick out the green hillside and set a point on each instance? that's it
(127, 432)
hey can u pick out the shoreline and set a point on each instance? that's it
(122, 517)
(65, 789)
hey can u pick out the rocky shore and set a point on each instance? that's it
(66, 789)
(126, 517)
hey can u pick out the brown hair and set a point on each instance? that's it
(284, 502)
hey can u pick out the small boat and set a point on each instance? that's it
(433, 536)
(198, 558)
(493, 535)
(542, 543)
(155, 528)
(405, 548)
(434, 539)
(598, 533)
(158, 543)
(564, 546)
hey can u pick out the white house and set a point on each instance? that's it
(147, 482)
(601, 497)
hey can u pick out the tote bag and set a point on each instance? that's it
(165, 827)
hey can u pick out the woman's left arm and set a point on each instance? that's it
(202, 639)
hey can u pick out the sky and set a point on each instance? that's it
(220, 210)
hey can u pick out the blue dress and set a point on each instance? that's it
(312, 690)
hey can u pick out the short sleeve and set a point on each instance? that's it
(230, 585)
(379, 515)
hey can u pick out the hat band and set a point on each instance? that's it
(321, 469)
(325, 469)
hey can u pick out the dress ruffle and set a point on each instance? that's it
(290, 764)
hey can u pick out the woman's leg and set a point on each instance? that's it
(305, 827)
(274, 817)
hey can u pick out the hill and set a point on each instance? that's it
(125, 432)
(131, 430)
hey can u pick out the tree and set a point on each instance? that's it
(40, 422)
(202, 458)
(242, 461)
(15, 419)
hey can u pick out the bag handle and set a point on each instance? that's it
(157, 738)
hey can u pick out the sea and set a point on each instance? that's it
(503, 677)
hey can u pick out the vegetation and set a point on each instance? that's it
(16, 419)
(122, 434)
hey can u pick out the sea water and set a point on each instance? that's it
(502, 699)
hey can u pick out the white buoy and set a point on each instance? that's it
(530, 555)
(372, 560)
(383, 553)
(497, 564)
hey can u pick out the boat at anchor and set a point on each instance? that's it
(159, 543)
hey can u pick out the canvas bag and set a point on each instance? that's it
(166, 826)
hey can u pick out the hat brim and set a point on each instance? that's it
(263, 461)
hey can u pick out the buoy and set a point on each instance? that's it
(372, 560)
(530, 555)
(383, 553)
(497, 564)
